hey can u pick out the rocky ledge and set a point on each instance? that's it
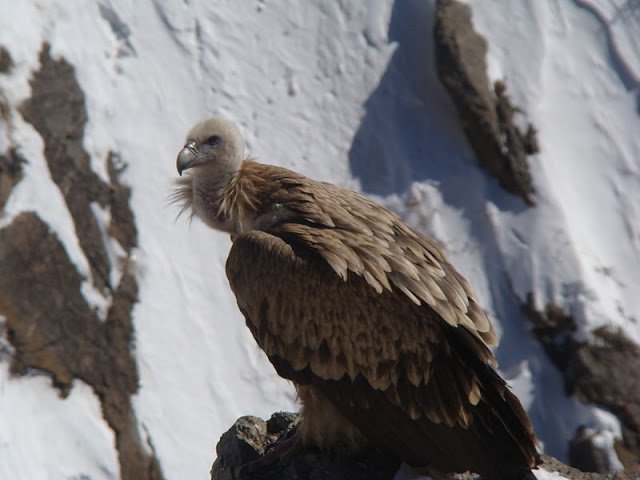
(250, 439)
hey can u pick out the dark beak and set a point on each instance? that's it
(187, 158)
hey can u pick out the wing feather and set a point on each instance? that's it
(354, 234)
(288, 292)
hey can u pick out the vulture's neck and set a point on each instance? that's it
(235, 202)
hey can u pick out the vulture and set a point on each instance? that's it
(382, 337)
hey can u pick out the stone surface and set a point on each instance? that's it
(6, 62)
(53, 329)
(551, 464)
(486, 113)
(249, 439)
(11, 164)
(49, 323)
(585, 454)
(592, 370)
(56, 109)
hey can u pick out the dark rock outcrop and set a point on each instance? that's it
(551, 464)
(250, 438)
(50, 324)
(56, 110)
(592, 370)
(11, 164)
(585, 453)
(6, 62)
(486, 116)
(53, 329)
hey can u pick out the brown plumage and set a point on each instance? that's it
(380, 334)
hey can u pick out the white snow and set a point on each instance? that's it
(344, 92)
(542, 474)
(405, 472)
(607, 431)
(43, 436)
(115, 254)
(588, 167)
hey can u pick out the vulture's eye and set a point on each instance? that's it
(212, 141)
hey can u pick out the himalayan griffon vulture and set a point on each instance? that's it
(381, 336)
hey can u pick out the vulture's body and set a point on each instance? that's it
(381, 336)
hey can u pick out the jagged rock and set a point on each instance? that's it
(586, 454)
(244, 442)
(553, 328)
(487, 120)
(250, 438)
(281, 422)
(53, 329)
(11, 164)
(122, 226)
(56, 109)
(49, 323)
(6, 62)
(551, 464)
(592, 371)
(517, 144)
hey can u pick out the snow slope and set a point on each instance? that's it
(346, 92)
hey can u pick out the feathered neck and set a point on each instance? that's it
(182, 196)
(222, 200)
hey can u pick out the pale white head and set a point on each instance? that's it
(213, 152)
(212, 143)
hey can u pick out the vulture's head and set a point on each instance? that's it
(213, 153)
(212, 144)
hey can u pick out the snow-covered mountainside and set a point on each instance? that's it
(343, 91)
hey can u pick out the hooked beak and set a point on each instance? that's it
(188, 157)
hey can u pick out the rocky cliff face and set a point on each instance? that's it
(49, 324)
(591, 369)
(485, 111)
(597, 371)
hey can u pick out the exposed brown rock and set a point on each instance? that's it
(56, 110)
(49, 323)
(600, 372)
(592, 370)
(552, 464)
(487, 120)
(122, 226)
(10, 173)
(53, 329)
(585, 453)
(518, 145)
(554, 330)
(6, 62)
